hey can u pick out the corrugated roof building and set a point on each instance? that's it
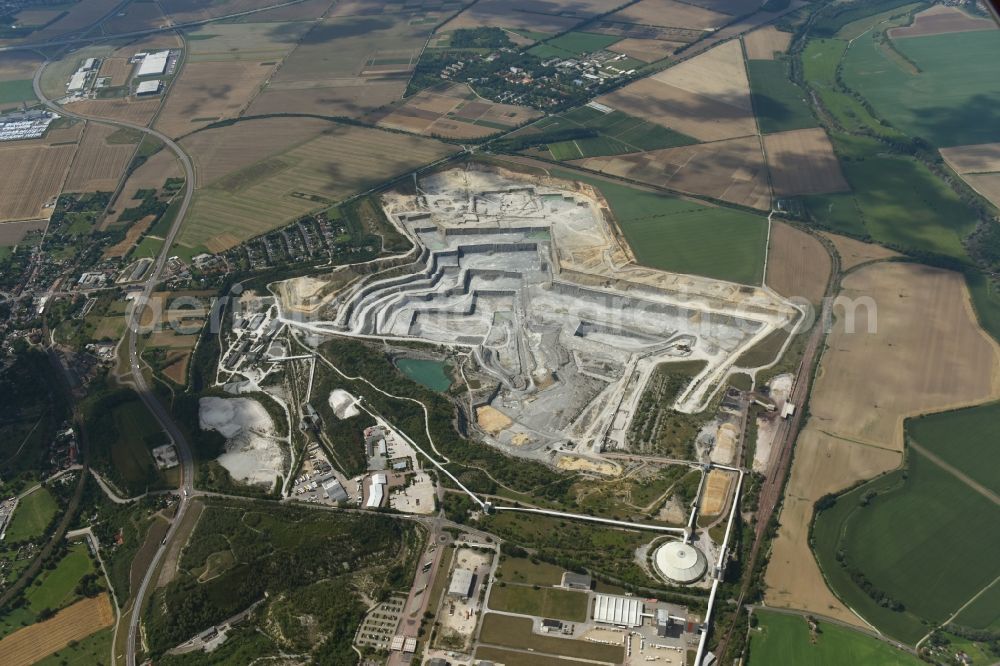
(619, 611)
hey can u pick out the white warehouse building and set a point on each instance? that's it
(619, 611)
(154, 64)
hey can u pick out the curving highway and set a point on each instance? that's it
(139, 381)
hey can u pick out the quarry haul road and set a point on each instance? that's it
(139, 381)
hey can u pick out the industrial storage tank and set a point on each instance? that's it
(680, 562)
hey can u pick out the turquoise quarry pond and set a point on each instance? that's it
(431, 374)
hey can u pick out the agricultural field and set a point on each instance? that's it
(948, 101)
(886, 189)
(16, 70)
(252, 42)
(150, 175)
(51, 23)
(798, 264)
(313, 175)
(206, 92)
(670, 14)
(644, 50)
(552, 17)
(765, 44)
(67, 628)
(854, 253)
(572, 44)
(544, 602)
(56, 588)
(786, 640)
(135, 16)
(617, 133)
(972, 453)
(979, 167)
(101, 160)
(685, 236)
(939, 20)
(34, 177)
(706, 97)
(894, 530)
(779, 103)
(731, 170)
(117, 69)
(521, 570)
(34, 513)
(802, 162)
(184, 11)
(347, 66)
(127, 109)
(453, 111)
(82, 652)
(867, 385)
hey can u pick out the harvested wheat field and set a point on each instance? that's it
(764, 43)
(979, 158)
(452, 111)
(646, 50)
(707, 97)
(939, 20)
(127, 109)
(16, 65)
(986, 184)
(76, 16)
(854, 253)
(798, 265)
(135, 16)
(717, 488)
(260, 42)
(927, 354)
(34, 177)
(670, 13)
(315, 174)
(220, 151)
(185, 11)
(35, 642)
(98, 165)
(803, 162)
(730, 170)
(734, 7)
(177, 365)
(116, 68)
(12, 233)
(210, 91)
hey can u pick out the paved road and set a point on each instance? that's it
(139, 381)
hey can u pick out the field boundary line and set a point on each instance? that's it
(957, 473)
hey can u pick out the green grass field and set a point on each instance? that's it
(895, 200)
(780, 105)
(34, 513)
(925, 539)
(52, 589)
(16, 91)
(986, 299)
(820, 59)
(521, 570)
(620, 133)
(952, 101)
(784, 640)
(984, 612)
(967, 439)
(572, 44)
(515, 632)
(683, 236)
(543, 602)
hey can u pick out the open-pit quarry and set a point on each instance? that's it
(533, 279)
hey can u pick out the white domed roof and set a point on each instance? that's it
(680, 562)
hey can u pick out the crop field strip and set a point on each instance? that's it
(98, 165)
(867, 384)
(685, 236)
(803, 162)
(786, 640)
(779, 104)
(35, 175)
(730, 170)
(70, 625)
(314, 174)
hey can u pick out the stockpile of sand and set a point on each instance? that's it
(252, 454)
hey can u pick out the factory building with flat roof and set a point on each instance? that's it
(619, 611)
(149, 87)
(154, 64)
(462, 582)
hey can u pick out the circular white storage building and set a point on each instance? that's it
(680, 562)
